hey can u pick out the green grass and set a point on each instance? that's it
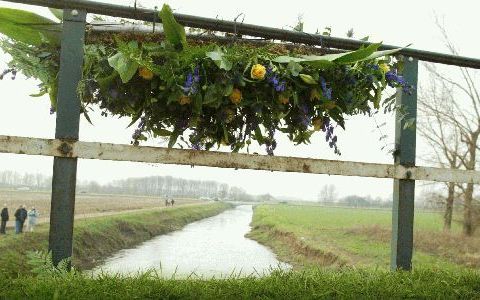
(98, 238)
(312, 284)
(312, 235)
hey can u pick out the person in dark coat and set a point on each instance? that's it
(4, 219)
(20, 217)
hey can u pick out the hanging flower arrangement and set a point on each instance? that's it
(202, 95)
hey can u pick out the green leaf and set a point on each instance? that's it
(219, 58)
(228, 89)
(39, 94)
(294, 67)
(28, 27)
(358, 55)
(162, 132)
(197, 104)
(173, 139)
(287, 59)
(259, 136)
(174, 32)
(378, 54)
(213, 95)
(308, 79)
(58, 13)
(125, 66)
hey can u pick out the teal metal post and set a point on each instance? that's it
(67, 126)
(404, 189)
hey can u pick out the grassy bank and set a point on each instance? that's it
(312, 235)
(313, 284)
(97, 238)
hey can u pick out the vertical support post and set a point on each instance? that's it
(67, 127)
(404, 189)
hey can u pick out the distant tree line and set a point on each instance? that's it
(149, 186)
(328, 196)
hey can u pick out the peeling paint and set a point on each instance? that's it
(118, 152)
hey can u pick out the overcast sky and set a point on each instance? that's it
(398, 23)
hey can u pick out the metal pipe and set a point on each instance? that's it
(151, 15)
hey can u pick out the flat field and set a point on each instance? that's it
(86, 204)
(336, 237)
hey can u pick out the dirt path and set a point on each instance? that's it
(11, 223)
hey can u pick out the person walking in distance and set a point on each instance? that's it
(32, 219)
(4, 219)
(20, 217)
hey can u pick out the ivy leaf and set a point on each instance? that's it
(213, 95)
(28, 27)
(219, 58)
(295, 68)
(308, 79)
(125, 66)
(174, 32)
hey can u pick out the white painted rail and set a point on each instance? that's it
(119, 152)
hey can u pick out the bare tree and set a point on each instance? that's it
(463, 113)
(442, 136)
(328, 193)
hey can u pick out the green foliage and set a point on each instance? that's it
(218, 56)
(41, 265)
(28, 27)
(174, 32)
(205, 96)
(312, 284)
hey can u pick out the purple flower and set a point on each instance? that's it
(327, 92)
(304, 118)
(191, 82)
(279, 85)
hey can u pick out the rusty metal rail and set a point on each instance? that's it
(120, 152)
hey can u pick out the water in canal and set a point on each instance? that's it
(215, 246)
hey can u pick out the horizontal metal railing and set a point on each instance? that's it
(151, 15)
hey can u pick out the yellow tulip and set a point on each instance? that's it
(258, 72)
(236, 96)
(184, 100)
(384, 67)
(145, 73)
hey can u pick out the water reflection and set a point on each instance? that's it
(214, 246)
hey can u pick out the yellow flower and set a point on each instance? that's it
(317, 124)
(236, 96)
(314, 95)
(258, 72)
(184, 100)
(145, 73)
(384, 67)
(283, 99)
